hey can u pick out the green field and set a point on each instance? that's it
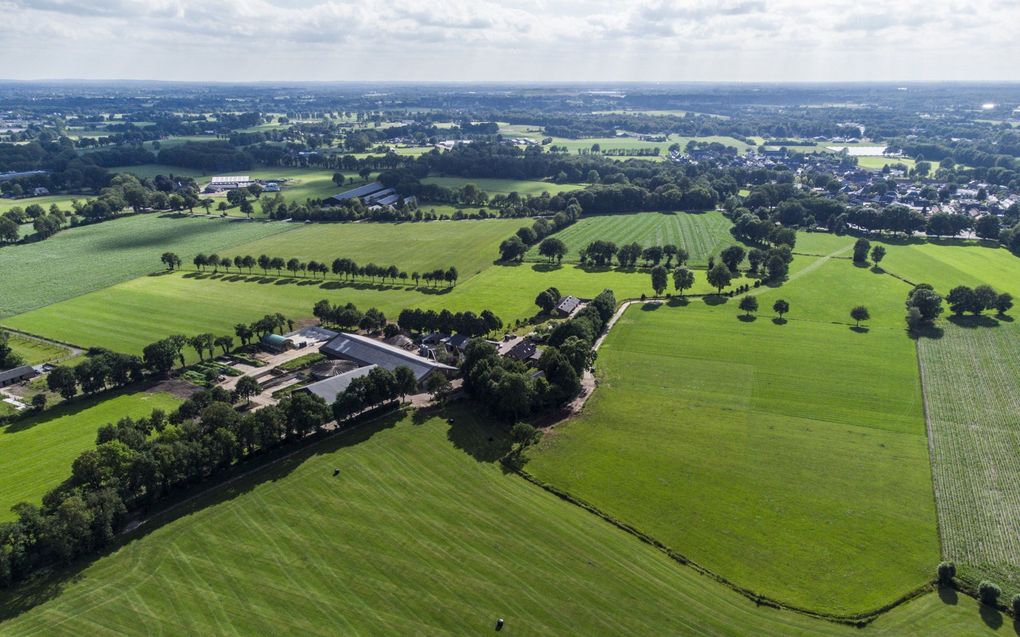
(34, 351)
(420, 533)
(470, 245)
(972, 385)
(80, 260)
(791, 459)
(948, 264)
(148, 308)
(63, 202)
(148, 171)
(504, 186)
(38, 451)
(702, 235)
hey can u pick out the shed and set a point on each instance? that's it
(17, 375)
(276, 343)
(330, 388)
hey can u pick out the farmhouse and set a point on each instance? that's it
(17, 375)
(368, 351)
(567, 305)
(328, 389)
(521, 349)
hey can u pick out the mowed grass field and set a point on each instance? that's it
(471, 246)
(38, 451)
(152, 307)
(420, 533)
(701, 234)
(87, 258)
(63, 202)
(504, 186)
(791, 459)
(972, 385)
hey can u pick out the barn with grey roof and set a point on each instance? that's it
(368, 351)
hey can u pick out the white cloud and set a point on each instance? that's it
(511, 40)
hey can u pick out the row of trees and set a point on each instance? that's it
(100, 369)
(375, 388)
(349, 316)
(601, 253)
(466, 323)
(976, 300)
(347, 269)
(136, 463)
(514, 248)
(160, 356)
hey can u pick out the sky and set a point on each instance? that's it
(511, 40)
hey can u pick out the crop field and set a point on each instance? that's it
(34, 351)
(419, 509)
(504, 186)
(80, 260)
(790, 458)
(471, 246)
(39, 450)
(701, 234)
(972, 385)
(151, 307)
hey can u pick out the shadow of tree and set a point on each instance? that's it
(990, 616)
(948, 595)
(650, 306)
(715, 299)
(860, 329)
(747, 318)
(779, 321)
(973, 322)
(678, 301)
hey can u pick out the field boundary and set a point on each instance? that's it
(857, 620)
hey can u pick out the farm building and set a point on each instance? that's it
(329, 388)
(276, 343)
(521, 349)
(373, 194)
(17, 375)
(567, 305)
(228, 182)
(368, 351)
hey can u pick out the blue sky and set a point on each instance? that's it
(473, 40)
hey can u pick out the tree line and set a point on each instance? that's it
(466, 323)
(515, 247)
(346, 269)
(137, 463)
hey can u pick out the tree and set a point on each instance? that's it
(927, 303)
(987, 227)
(406, 382)
(984, 299)
(523, 435)
(659, 279)
(547, 299)
(732, 256)
(1003, 303)
(776, 268)
(63, 381)
(243, 332)
(247, 387)
(39, 402)
(225, 343)
(749, 304)
(578, 353)
(946, 573)
(877, 254)
(171, 260)
(719, 276)
(683, 279)
(860, 313)
(781, 307)
(160, 356)
(861, 249)
(553, 249)
(960, 299)
(438, 387)
(989, 592)
(512, 249)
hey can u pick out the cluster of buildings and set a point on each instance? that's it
(223, 183)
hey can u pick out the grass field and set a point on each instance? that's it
(948, 264)
(790, 458)
(34, 351)
(470, 245)
(504, 186)
(702, 235)
(972, 385)
(39, 450)
(419, 534)
(148, 171)
(148, 308)
(63, 202)
(80, 260)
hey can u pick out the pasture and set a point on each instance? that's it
(701, 234)
(790, 458)
(420, 533)
(972, 383)
(946, 264)
(62, 201)
(38, 451)
(152, 307)
(34, 351)
(504, 186)
(471, 246)
(80, 260)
